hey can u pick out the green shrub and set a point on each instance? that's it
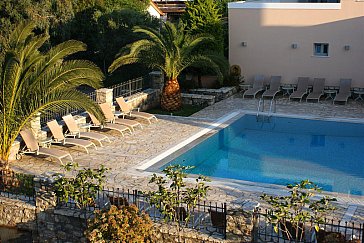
(289, 213)
(123, 224)
(173, 193)
(83, 187)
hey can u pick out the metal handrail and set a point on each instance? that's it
(260, 104)
(273, 103)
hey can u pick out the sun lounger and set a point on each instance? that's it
(117, 127)
(302, 87)
(74, 131)
(111, 117)
(258, 85)
(317, 90)
(126, 109)
(59, 138)
(274, 87)
(33, 147)
(344, 91)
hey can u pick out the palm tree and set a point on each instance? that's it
(170, 50)
(34, 82)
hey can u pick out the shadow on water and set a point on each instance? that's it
(14, 235)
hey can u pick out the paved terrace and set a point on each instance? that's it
(124, 154)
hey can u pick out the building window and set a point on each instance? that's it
(321, 49)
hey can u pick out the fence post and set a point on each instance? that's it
(255, 226)
(105, 96)
(157, 79)
(225, 220)
(130, 81)
(14, 150)
(37, 128)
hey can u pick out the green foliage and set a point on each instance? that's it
(17, 183)
(35, 82)
(173, 193)
(170, 50)
(289, 212)
(45, 13)
(83, 187)
(107, 27)
(104, 25)
(124, 224)
(204, 17)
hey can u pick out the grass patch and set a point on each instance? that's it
(186, 110)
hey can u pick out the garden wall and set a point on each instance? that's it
(16, 213)
(53, 224)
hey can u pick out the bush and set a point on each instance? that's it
(83, 188)
(123, 224)
(289, 213)
(173, 193)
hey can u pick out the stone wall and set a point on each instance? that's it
(168, 234)
(239, 225)
(220, 94)
(16, 213)
(52, 224)
(145, 100)
(197, 99)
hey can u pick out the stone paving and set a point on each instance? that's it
(124, 154)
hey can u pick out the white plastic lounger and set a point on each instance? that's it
(59, 138)
(117, 127)
(110, 117)
(128, 110)
(74, 131)
(33, 147)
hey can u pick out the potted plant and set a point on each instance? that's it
(289, 214)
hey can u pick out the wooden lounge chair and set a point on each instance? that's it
(258, 85)
(317, 90)
(111, 117)
(59, 138)
(126, 109)
(74, 131)
(117, 127)
(344, 91)
(32, 147)
(302, 87)
(274, 87)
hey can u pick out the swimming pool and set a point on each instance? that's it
(284, 150)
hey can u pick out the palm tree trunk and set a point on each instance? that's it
(4, 166)
(171, 99)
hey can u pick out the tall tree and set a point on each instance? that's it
(204, 17)
(170, 50)
(35, 82)
(103, 25)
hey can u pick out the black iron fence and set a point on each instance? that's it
(206, 217)
(17, 186)
(330, 231)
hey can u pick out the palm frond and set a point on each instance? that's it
(63, 50)
(21, 33)
(33, 82)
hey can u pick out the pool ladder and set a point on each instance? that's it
(260, 111)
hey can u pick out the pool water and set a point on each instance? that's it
(284, 150)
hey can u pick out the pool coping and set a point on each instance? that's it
(149, 162)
